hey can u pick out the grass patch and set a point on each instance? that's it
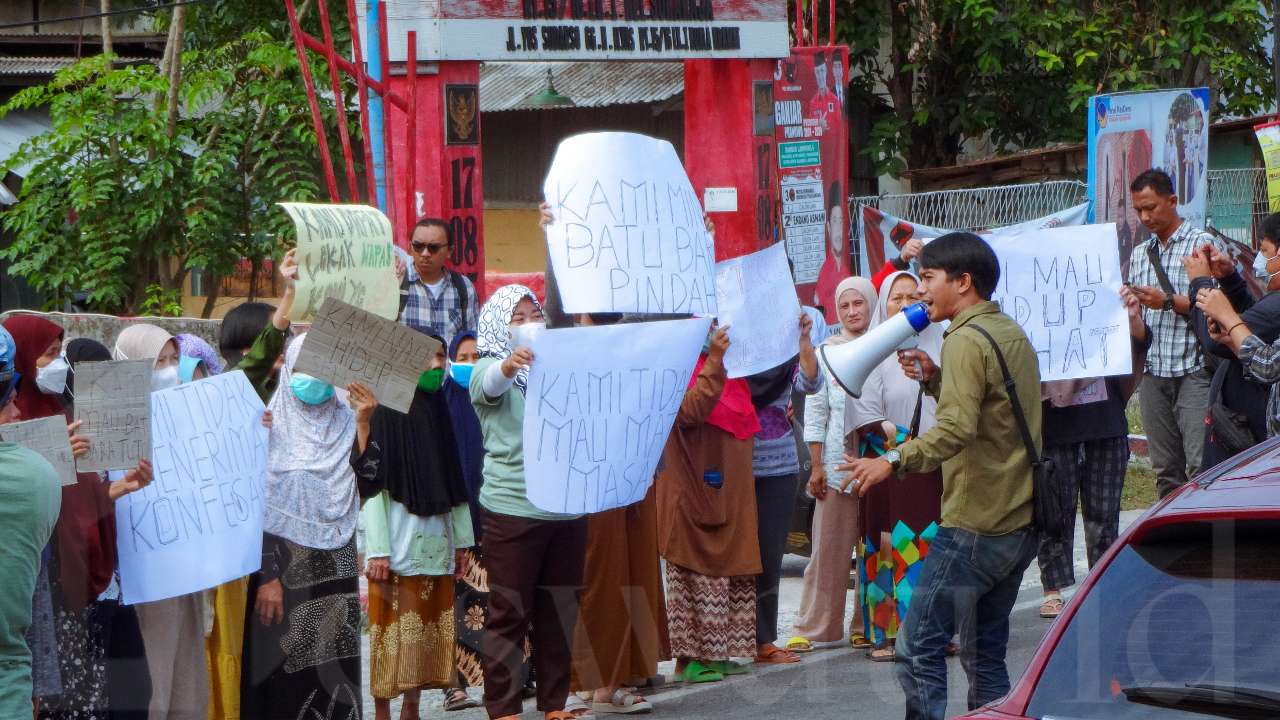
(1139, 487)
(1134, 416)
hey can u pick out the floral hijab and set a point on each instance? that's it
(494, 332)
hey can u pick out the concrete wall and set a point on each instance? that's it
(105, 328)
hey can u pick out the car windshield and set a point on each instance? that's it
(1194, 604)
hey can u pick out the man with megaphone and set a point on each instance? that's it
(986, 438)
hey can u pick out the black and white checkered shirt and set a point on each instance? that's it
(1175, 352)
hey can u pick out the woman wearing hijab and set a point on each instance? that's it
(173, 630)
(416, 524)
(302, 639)
(471, 591)
(897, 519)
(534, 558)
(835, 518)
(776, 465)
(622, 623)
(113, 651)
(706, 512)
(81, 555)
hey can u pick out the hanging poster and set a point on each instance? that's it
(881, 235)
(810, 119)
(1269, 142)
(1133, 132)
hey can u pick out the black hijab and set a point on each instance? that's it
(419, 466)
(771, 384)
(78, 351)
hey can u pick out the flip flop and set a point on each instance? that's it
(625, 701)
(696, 672)
(860, 642)
(884, 654)
(799, 644)
(574, 709)
(728, 667)
(1051, 607)
(458, 699)
(774, 655)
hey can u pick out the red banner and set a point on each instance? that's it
(811, 131)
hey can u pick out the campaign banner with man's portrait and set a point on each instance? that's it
(810, 121)
(1133, 132)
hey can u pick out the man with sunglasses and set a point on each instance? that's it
(434, 299)
(30, 499)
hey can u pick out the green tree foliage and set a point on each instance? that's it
(935, 73)
(122, 200)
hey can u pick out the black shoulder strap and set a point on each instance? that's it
(460, 287)
(1153, 254)
(1011, 387)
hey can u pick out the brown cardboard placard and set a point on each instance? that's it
(113, 399)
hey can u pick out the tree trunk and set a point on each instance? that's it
(105, 7)
(175, 68)
(211, 295)
(255, 266)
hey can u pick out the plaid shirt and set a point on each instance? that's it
(441, 315)
(1262, 361)
(1175, 352)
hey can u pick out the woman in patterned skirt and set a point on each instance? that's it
(706, 510)
(416, 523)
(302, 634)
(897, 519)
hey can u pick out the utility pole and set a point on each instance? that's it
(1275, 51)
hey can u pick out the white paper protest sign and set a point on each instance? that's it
(628, 234)
(199, 523)
(1062, 285)
(758, 303)
(48, 437)
(594, 431)
(346, 252)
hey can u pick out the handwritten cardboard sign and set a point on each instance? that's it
(344, 251)
(348, 344)
(199, 523)
(758, 303)
(113, 403)
(1062, 285)
(48, 437)
(594, 432)
(628, 234)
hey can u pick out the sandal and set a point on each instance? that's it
(858, 641)
(574, 709)
(799, 644)
(624, 701)
(728, 667)
(1051, 607)
(696, 672)
(884, 654)
(774, 655)
(458, 699)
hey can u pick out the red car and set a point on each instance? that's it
(1180, 618)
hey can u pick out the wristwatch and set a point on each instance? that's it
(895, 459)
(1168, 303)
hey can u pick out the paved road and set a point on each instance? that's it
(830, 683)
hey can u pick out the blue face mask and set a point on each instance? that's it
(461, 373)
(1260, 262)
(310, 390)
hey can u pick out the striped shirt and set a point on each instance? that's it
(1262, 361)
(1175, 352)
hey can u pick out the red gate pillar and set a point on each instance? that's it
(728, 142)
(438, 154)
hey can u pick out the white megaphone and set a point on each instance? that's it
(850, 363)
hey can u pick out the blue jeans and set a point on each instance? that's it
(968, 585)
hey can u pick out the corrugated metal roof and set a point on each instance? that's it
(17, 127)
(37, 66)
(506, 85)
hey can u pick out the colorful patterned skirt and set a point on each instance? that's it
(908, 510)
(411, 634)
(710, 618)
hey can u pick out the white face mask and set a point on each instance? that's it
(165, 379)
(524, 335)
(52, 378)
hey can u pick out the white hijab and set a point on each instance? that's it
(311, 488)
(888, 393)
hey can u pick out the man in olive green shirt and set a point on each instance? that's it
(974, 566)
